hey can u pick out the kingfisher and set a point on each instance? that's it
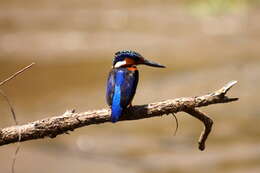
(123, 79)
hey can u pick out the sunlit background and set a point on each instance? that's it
(203, 43)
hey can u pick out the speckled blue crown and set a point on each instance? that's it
(121, 55)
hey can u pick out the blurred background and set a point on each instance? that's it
(203, 43)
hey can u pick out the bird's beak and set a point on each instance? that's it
(153, 64)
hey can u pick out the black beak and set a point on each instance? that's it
(153, 64)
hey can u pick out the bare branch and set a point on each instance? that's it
(208, 122)
(53, 126)
(16, 74)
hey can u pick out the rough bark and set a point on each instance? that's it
(70, 120)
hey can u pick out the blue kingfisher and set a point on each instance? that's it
(123, 79)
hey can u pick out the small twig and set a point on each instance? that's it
(16, 74)
(10, 106)
(16, 123)
(207, 125)
(13, 112)
(16, 153)
(177, 124)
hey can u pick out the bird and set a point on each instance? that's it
(123, 79)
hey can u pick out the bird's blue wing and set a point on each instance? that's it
(110, 87)
(128, 88)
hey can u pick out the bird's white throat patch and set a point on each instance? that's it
(120, 64)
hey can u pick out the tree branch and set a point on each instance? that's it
(70, 120)
(208, 122)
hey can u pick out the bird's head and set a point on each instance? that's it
(128, 58)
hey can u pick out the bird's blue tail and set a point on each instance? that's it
(116, 107)
(116, 113)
